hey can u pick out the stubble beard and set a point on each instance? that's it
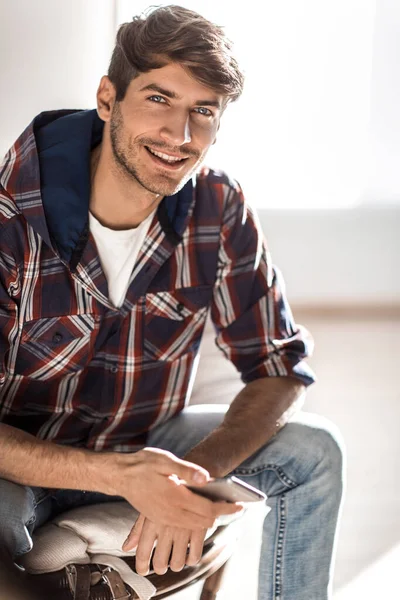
(126, 156)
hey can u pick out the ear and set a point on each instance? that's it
(105, 98)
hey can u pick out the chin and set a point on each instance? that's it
(168, 187)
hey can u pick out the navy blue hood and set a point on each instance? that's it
(64, 140)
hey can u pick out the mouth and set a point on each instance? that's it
(168, 161)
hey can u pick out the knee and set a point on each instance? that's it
(16, 513)
(332, 449)
(326, 443)
(16, 502)
(313, 446)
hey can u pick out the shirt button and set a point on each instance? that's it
(57, 337)
(180, 308)
(97, 318)
(114, 369)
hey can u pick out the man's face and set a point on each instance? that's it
(161, 131)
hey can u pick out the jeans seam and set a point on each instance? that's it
(28, 547)
(278, 562)
(25, 550)
(35, 502)
(280, 473)
(31, 520)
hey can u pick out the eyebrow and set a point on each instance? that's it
(174, 96)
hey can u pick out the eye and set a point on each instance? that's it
(204, 111)
(157, 99)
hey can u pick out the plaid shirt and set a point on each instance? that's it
(77, 370)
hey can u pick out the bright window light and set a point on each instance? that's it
(298, 137)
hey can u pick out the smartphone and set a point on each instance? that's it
(230, 489)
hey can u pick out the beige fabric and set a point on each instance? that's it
(88, 534)
(104, 526)
(53, 549)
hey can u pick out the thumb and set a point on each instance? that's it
(186, 470)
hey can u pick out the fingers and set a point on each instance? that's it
(190, 520)
(169, 464)
(171, 548)
(196, 512)
(180, 548)
(205, 507)
(163, 550)
(134, 535)
(227, 508)
(159, 492)
(150, 533)
(196, 547)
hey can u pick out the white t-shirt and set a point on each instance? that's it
(118, 251)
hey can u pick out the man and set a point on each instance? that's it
(115, 245)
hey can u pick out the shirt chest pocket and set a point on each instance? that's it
(174, 322)
(54, 347)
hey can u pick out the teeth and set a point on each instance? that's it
(170, 159)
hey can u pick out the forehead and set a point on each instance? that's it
(178, 82)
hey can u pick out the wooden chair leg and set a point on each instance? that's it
(213, 584)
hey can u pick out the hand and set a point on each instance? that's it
(152, 483)
(171, 549)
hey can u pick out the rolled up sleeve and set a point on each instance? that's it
(255, 327)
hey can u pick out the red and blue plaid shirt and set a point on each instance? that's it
(77, 370)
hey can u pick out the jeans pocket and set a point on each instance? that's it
(270, 478)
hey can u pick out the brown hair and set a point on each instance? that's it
(175, 34)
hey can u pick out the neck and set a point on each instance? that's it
(116, 200)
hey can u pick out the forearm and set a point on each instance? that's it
(254, 417)
(27, 460)
(143, 478)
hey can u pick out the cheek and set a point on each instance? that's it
(141, 124)
(205, 136)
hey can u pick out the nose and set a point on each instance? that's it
(177, 131)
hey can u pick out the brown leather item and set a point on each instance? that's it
(83, 582)
(106, 584)
(78, 577)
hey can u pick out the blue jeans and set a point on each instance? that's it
(300, 470)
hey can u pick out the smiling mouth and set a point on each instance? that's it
(166, 159)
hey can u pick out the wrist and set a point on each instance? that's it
(103, 472)
(208, 454)
(222, 451)
(112, 472)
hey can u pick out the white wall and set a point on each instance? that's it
(384, 171)
(352, 256)
(52, 55)
(339, 256)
